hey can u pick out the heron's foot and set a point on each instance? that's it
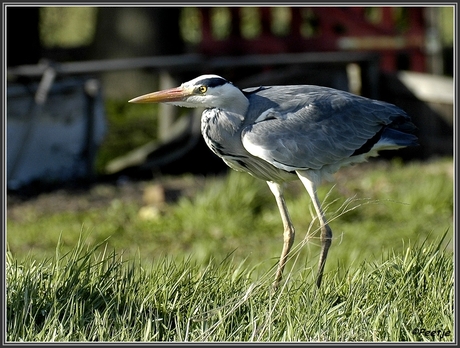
(275, 286)
(326, 240)
(319, 278)
(279, 274)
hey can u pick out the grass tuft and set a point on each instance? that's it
(202, 269)
(90, 294)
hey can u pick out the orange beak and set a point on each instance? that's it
(168, 95)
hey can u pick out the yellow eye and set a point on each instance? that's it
(202, 89)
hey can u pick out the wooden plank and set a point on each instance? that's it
(190, 62)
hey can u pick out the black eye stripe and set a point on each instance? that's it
(213, 82)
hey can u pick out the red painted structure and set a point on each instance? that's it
(398, 36)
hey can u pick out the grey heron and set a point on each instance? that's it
(282, 133)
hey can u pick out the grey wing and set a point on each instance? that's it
(320, 132)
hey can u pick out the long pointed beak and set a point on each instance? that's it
(168, 95)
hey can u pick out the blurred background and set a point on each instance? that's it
(71, 71)
(82, 160)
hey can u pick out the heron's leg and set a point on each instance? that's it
(326, 233)
(289, 232)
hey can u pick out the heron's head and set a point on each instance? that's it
(208, 91)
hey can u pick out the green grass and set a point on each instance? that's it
(93, 295)
(202, 269)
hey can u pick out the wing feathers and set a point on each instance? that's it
(326, 129)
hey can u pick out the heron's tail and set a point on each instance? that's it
(401, 132)
(399, 138)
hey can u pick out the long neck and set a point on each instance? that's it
(220, 130)
(235, 102)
